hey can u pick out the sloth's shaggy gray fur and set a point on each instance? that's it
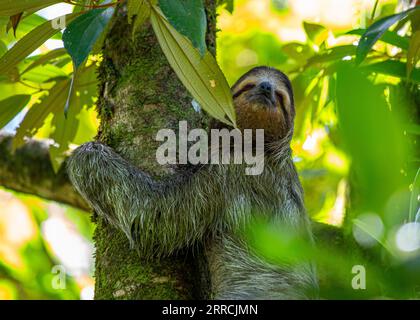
(209, 206)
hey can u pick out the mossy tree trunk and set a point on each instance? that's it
(139, 94)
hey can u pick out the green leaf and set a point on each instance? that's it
(413, 54)
(370, 132)
(67, 125)
(188, 17)
(28, 44)
(393, 68)
(65, 129)
(414, 199)
(200, 75)
(297, 51)
(81, 35)
(230, 4)
(26, 25)
(34, 119)
(413, 128)
(389, 37)
(85, 88)
(14, 22)
(9, 89)
(42, 74)
(376, 30)
(12, 7)
(3, 48)
(333, 54)
(45, 58)
(316, 33)
(10, 107)
(138, 12)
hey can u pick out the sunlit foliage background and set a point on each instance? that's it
(305, 39)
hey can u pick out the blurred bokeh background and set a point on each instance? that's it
(40, 240)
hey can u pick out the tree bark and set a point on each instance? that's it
(29, 170)
(139, 95)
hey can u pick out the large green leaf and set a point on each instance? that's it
(413, 54)
(10, 107)
(3, 48)
(34, 119)
(80, 35)
(394, 68)
(200, 75)
(413, 128)
(9, 89)
(28, 44)
(415, 198)
(376, 30)
(389, 37)
(188, 18)
(372, 135)
(12, 7)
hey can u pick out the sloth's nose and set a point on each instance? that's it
(266, 88)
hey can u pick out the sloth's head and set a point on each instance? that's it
(263, 99)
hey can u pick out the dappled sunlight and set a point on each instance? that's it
(67, 244)
(16, 229)
(57, 241)
(407, 238)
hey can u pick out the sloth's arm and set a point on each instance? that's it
(156, 217)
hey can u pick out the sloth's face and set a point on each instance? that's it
(263, 99)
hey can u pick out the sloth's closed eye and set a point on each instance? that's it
(247, 87)
(280, 98)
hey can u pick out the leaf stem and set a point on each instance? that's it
(374, 10)
(94, 6)
(40, 89)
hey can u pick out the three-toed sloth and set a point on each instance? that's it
(211, 205)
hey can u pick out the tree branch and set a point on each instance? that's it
(29, 170)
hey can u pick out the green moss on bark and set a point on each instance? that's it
(121, 274)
